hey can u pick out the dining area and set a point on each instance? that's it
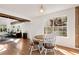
(43, 43)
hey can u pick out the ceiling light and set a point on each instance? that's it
(41, 9)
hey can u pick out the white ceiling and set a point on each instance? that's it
(32, 10)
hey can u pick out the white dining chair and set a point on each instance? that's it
(49, 43)
(34, 45)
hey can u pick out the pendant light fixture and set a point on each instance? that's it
(42, 8)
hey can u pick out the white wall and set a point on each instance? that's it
(38, 24)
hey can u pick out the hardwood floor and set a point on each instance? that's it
(22, 48)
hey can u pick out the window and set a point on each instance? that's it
(57, 25)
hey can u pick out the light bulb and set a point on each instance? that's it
(41, 10)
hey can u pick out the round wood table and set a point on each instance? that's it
(39, 38)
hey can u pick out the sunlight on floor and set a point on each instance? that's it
(3, 50)
(3, 47)
(74, 53)
(17, 40)
(64, 51)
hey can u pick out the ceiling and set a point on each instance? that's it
(32, 10)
